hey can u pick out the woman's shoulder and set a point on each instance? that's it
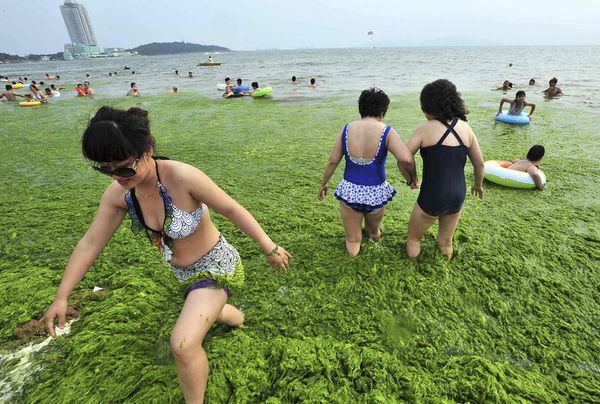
(428, 126)
(177, 171)
(115, 195)
(465, 132)
(463, 124)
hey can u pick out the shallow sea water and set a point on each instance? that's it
(343, 72)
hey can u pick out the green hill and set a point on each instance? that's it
(169, 48)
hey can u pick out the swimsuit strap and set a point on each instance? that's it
(162, 191)
(450, 129)
(382, 141)
(386, 131)
(157, 173)
(345, 139)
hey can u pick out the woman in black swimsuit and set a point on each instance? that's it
(445, 141)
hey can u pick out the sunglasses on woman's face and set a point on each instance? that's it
(124, 172)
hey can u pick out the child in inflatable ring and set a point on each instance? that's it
(531, 164)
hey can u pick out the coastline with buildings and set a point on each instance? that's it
(84, 45)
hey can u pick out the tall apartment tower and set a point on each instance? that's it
(78, 23)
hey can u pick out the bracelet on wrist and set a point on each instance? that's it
(274, 251)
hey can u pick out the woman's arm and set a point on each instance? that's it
(203, 189)
(502, 101)
(476, 158)
(404, 158)
(532, 105)
(334, 159)
(108, 219)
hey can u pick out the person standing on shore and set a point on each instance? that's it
(445, 141)
(364, 191)
(170, 202)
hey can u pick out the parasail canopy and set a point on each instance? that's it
(370, 33)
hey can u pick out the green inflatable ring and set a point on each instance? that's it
(262, 92)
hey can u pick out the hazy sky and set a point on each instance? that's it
(36, 26)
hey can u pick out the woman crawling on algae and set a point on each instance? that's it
(169, 201)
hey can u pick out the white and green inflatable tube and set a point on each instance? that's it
(495, 171)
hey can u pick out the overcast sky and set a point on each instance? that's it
(36, 26)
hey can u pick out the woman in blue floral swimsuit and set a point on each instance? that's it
(364, 191)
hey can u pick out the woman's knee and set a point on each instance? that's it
(184, 347)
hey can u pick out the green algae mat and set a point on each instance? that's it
(513, 317)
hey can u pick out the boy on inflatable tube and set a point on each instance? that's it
(531, 164)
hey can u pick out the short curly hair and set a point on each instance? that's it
(441, 100)
(373, 102)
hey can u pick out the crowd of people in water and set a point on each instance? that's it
(240, 90)
(518, 104)
(230, 89)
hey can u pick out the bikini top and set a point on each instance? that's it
(178, 224)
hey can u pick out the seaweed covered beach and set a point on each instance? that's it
(513, 317)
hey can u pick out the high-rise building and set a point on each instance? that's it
(78, 23)
(83, 41)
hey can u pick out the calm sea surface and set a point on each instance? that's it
(344, 72)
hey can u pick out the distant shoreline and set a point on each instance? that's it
(6, 58)
(150, 49)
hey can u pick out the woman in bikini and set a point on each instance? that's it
(169, 201)
(445, 141)
(364, 191)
